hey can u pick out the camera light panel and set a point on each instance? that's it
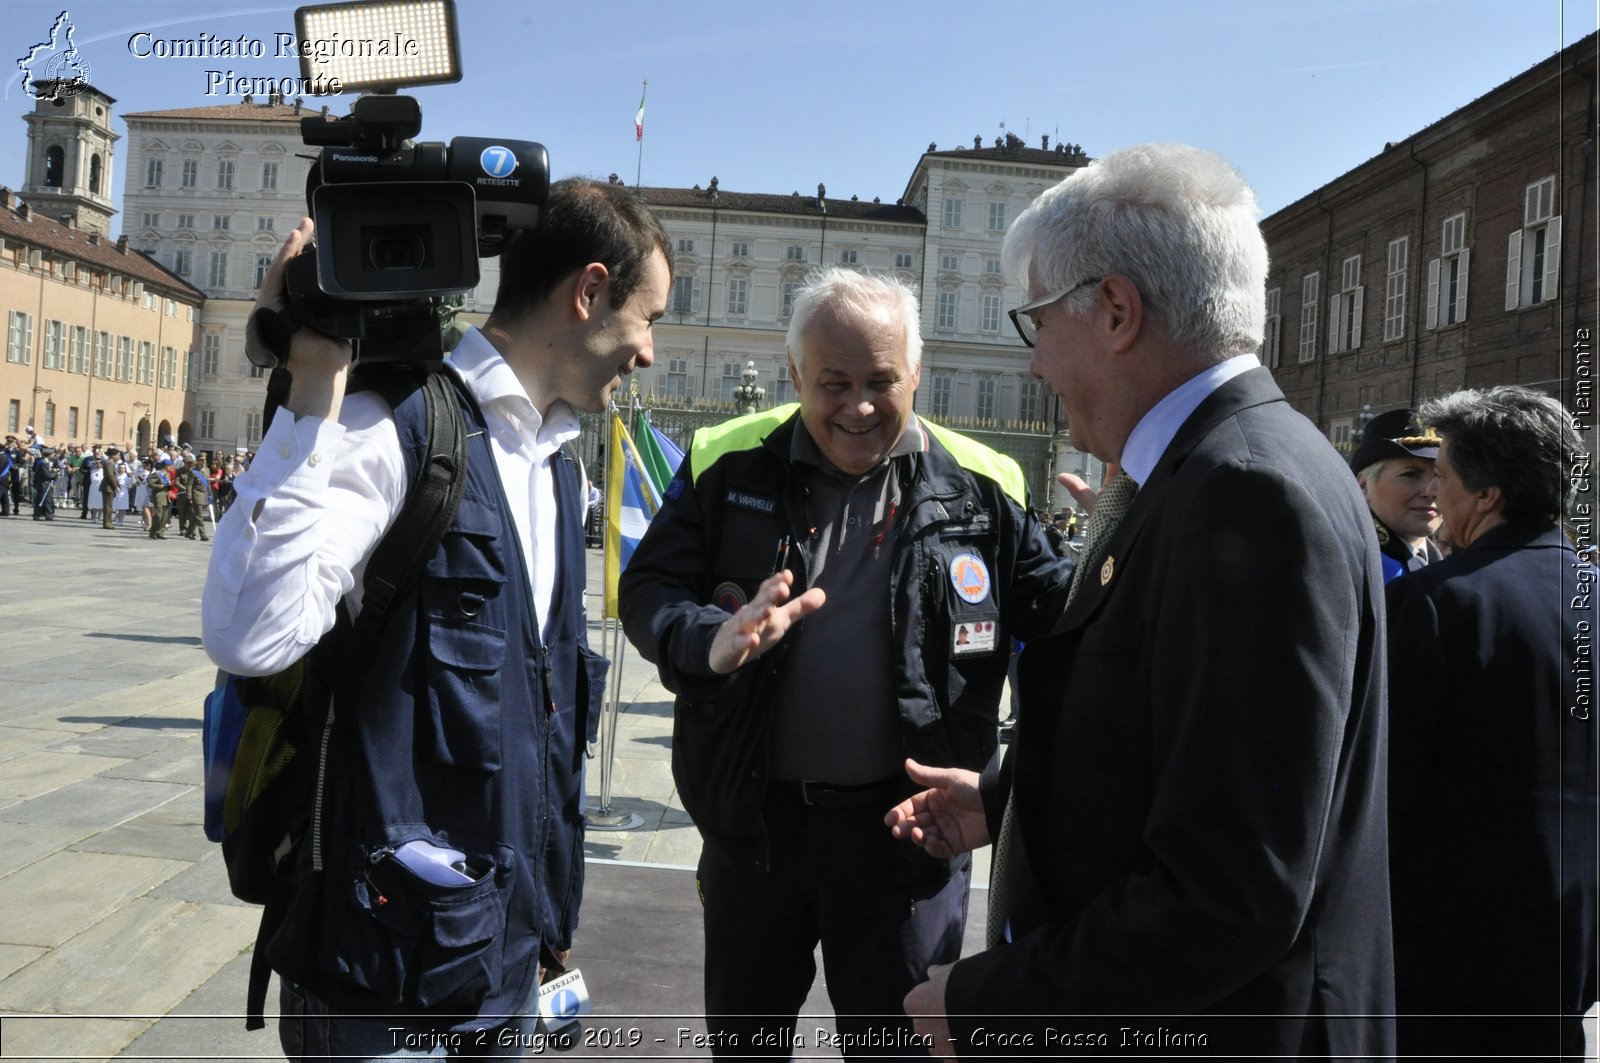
(386, 44)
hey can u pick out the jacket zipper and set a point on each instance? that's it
(316, 801)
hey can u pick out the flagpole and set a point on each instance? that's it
(612, 645)
(638, 169)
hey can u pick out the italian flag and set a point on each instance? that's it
(638, 118)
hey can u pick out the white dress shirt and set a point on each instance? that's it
(320, 494)
(1158, 427)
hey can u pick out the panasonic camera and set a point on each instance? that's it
(400, 225)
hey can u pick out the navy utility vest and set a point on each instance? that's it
(466, 731)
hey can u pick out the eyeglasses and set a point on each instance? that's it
(1022, 316)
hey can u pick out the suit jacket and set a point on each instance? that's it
(1492, 780)
(1198, 770)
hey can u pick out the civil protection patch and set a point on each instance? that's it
(970, 577)
(729, 597)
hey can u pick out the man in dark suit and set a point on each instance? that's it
(1191, 822)
(1492, 806)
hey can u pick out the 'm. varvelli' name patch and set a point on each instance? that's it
(746, 500)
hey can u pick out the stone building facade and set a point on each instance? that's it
(1462, 256)
(99, 337)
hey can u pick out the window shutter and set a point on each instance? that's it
(1461, 289)
(1355, 313)
(1335, 329)
(1552, 259)
(1433, 294)
(1514, 269)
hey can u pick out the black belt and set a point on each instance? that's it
(884, 792)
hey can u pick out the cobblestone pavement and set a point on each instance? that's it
(118, 937)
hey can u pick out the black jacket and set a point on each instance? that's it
(1199, 767)
(735, 497)
(1492, 792)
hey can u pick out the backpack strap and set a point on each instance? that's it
(397, 561)
(430, 506)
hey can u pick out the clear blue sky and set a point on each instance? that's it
(778, 97)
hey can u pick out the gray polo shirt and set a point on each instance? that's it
(837, 720)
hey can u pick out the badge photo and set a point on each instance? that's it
(971, 637)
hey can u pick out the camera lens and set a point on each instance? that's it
(397, 249)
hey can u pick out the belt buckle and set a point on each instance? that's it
(805, 793)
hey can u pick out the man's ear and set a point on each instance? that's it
(1124, 310)
(590, 290)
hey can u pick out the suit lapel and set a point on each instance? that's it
(1252, 388)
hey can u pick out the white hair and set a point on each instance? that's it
(1177, 221)
(861, 296)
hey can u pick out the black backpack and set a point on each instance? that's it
(266, 737)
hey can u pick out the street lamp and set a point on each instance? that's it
(1363, 419)
(748, 395)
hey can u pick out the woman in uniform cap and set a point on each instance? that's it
(1394, 465)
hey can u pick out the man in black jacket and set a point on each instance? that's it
(796, 711)
(1492, 791)
(1192, 824)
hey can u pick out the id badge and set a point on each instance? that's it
(972, 636)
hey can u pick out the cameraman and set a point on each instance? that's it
(462, 734)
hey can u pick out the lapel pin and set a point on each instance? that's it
(1107, 570)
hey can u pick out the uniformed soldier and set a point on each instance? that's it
(109, 486)
(1394, 465)
(160, 503)
(44, 485)
(194, 494)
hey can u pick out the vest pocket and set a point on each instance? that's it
(464, 695)
(591, 700)
(421, 944)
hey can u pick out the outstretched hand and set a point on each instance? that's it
(946, 819)
(758, 626)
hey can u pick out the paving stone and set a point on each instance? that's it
(112, 740)
(15, 957)
(96, 802)
(64, 718)
(29, 775)
(16, 740)
(143, 959)
(22, 844)
(173, 831)
(205, 882)
(209, 1023)
(50, 900)
(175, 761)
(74, 1037)
(637, 778)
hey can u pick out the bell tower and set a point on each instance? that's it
(71, 148)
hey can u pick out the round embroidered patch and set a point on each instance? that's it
(970, 577)
(729, 597)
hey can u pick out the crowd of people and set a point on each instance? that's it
(110, 483)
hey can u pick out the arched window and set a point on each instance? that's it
(94, 175)
(54, 163)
